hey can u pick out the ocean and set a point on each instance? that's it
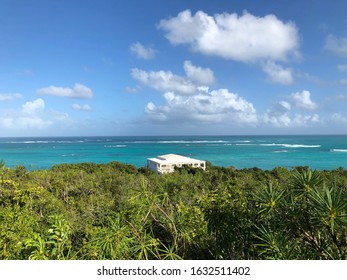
(266, 152)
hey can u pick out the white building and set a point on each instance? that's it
(167, 163)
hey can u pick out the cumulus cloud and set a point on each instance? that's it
(203, 76)
(29, 117)
(31, 107)
(167, 81)
(82, 107)
(142, 52)
(189, 100)
(280, 115)
(336, 45)
(79, 91)
(303, 100)
(163, 81)
(10, 96)
(217, 106)
(277, 73)
(245, 38)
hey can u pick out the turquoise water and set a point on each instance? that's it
(265, 152)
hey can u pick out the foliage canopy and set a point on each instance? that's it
(116, 211)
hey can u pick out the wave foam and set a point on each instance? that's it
(115, 146)
(291, 145)
(339, 150)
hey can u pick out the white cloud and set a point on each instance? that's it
(83, 107)
(31, 107)
(245, 38)
(305, 120)
(142, 52)
(31, 116)
(283, 113)
(217, 106)
(202, 76)
(10, 96)
(336, 45)
(78, 91)
(303, 100)
(278, 115)
(163, 81)
(189, 100)
(277, 73)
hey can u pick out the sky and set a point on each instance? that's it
(183, 67)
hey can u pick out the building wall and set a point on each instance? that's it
(169, 167)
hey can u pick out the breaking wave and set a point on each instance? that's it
(339, 150)
(280, 145)
(291, 145)
(115, 146)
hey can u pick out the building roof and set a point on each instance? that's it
(173, 158)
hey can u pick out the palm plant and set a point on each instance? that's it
(113, 241)
(330, 214)
(269, 198)
(274, 245)
(303, 184)
(305, 181)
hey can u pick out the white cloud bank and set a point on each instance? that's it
(204, 106)
(245, 38)
(281, 113)
(30, 116)
(79, 91)
(189, 100)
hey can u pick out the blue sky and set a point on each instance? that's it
(183, 67)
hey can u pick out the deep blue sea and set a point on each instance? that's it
(265, 152)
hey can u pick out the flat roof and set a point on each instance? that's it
(174, 158)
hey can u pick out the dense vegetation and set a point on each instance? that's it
(116, 211)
